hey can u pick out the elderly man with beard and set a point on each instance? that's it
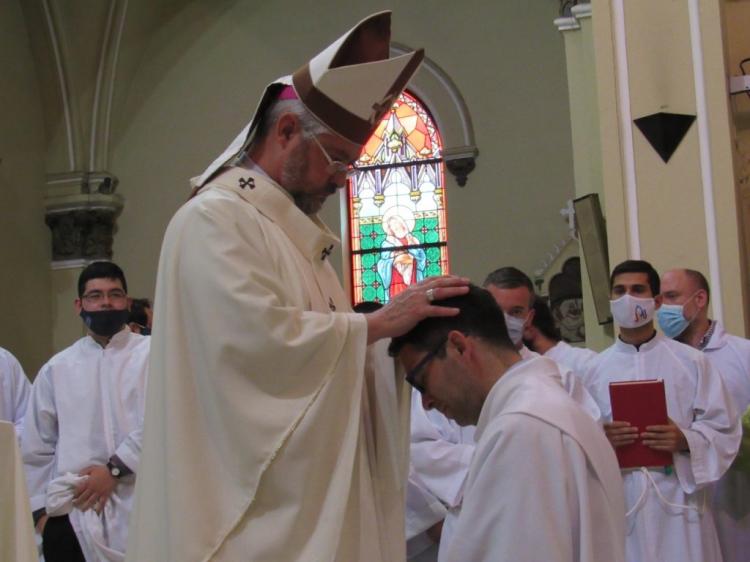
(270, 432)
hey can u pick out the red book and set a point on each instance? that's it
(642, 403)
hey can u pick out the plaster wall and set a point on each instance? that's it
(25, 282)
(202, 72)
(673, 227)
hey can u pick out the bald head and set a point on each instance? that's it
(678, 285)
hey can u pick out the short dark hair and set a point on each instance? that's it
(366, 307)
(543, 320)
(509, 278)
(480, 316)
(637, 266)
(700, 280)
(138, 311)
(100, 270)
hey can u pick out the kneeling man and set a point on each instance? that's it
(543, 483)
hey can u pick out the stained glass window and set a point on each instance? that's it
(397, 205)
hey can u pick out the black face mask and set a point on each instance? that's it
(105, 323)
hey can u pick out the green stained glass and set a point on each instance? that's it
(397, 217)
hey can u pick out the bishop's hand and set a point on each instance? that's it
(414, 304)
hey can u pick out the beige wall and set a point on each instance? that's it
(188, 77)
(24, 247)
(736, 18)
(672, 227)
(201, 75)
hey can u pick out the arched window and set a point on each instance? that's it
(397, 226)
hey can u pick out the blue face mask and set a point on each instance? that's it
(671, 319)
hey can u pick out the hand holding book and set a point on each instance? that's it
(620, 433)
(665, 438)
(659, 437)
(641, 432)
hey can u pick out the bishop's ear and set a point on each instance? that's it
(287, 127)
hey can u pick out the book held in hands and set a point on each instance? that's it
(642, 403)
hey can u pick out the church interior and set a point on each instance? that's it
(110, 107)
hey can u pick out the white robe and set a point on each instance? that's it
(671, 518)
(441, 450)
(730, 355)
(423, 510)
(269, 436)
(574, 358)
(14, 391)
(544, 483)
(86, 405)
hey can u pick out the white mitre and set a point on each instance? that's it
(348, 86)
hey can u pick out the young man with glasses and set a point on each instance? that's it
(543, 483)
(82, 431)
(441, 449)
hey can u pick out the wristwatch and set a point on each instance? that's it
(114, 470)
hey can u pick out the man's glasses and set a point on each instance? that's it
(95, 297)
(335, 166)
(414, 374)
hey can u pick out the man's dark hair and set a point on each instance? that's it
(637, 266)
(700, 280)
(543, 320)
(138, 311)
(365, 307)
(509, 278)
(480, 316)
(100, 270)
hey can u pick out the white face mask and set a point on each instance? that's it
(515, 328)
(632, 312)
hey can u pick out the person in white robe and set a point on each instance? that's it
(669, 512)
(14, 391)
(543, 337)
(542, 470)
(424, 518)
(82, 433)
(440, 449)
(514, 293)
(269, 433)
(684, 317)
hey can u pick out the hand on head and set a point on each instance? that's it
(414, 304)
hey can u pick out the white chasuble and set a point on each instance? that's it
(269, 436)
(544, 484)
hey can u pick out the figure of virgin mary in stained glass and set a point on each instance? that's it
(397, 205)
(402, 261)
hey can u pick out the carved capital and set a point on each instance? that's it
(81, 211)
(82, 234)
